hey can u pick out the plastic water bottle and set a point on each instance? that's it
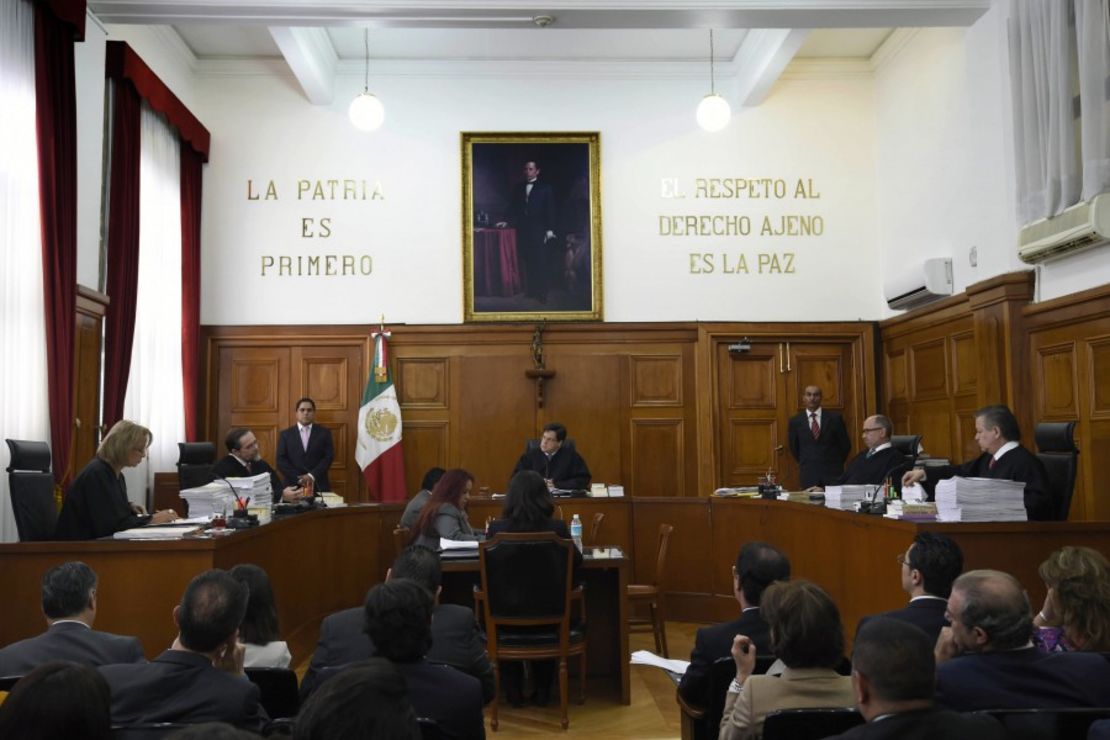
(576, 531)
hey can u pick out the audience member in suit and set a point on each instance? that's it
(244, 458)
(878, 462)
(529, 508)
(894, 677)
(416, 503)
(456, 639)
(560, 465)
(200, 678)
(986, 659)
(69, 605)
(444, 516)
(399, 623)
(305, 450)
(928, 569)
(758, 565)
(819, 441)
(367, 700)
(58, 700)
(1076, 611)
(259, 631)
(96, 504)
(998, 435)
(807, 636)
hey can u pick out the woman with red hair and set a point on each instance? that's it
(444, 516)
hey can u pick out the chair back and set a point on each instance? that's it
(661, 555)
(909, 445)
(1047, 724)
(526, 578)
(721, 674)
(534, 444)
(595, 526)
(1056, 449)
(809, 724)
(194, 463)
(32, 490)
(146, 730)
(278, 686)
(280, 727)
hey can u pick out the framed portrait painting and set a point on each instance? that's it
(531, 226)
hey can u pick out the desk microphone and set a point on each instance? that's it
(240, 505)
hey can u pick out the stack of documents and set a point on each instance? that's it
(980, 500)
(219, 496)
(846, 497)
(911, 510)
(154, 533)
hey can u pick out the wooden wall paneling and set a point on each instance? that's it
(749, 392)
(688, 581)
(1055, 382)
(423, 381)
(996, 305)
(493, 415)
(253, 392)
(426, 444)
(662, 433)
(333, 375)
(659, 457)
(90, 308)
(831, 367)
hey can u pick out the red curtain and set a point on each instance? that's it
(56, 122)
(123, 249)
(190, 285)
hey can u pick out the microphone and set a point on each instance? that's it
(240, 504)
(900, 465)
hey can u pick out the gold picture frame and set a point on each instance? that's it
(531, 251)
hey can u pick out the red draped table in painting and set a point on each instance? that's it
(496, 272)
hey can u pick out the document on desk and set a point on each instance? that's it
(646, 657)
(446, 544)
(154, 533)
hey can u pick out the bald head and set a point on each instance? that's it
(877, 430)
(991, 607)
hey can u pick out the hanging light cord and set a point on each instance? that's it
(366, 74)
(712, 83)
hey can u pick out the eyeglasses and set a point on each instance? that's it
(873, 429)
(902, 559)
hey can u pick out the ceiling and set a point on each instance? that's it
(754, 40)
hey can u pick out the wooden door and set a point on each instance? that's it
(750, 394)
(254, 393)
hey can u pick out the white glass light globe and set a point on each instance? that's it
(366, 112)
(714, 113)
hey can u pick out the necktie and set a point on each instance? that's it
(990, 465)
(813, 426)
(870, 453)
(304, 438)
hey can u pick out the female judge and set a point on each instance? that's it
(444, 516)
(529, 508)
(96, 504)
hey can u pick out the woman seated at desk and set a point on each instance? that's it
(96, 504)
(444, 516)
(529, 508)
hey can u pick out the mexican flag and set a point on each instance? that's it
(378, 451)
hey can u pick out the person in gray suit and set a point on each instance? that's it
(200, 678)
(69, 605)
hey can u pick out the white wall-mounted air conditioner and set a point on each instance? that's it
(1082, 226)
(919, 285)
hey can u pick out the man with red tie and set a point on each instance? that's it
(819, 441)
(998, 435)
(305, 450)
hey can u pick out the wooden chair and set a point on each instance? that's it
(652, 595)
(526, 602)
(809, 724)
(280, 696)
(401, 538)
(595, 527)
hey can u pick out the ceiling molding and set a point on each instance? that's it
(173, 45)
(817, 68)
(889, 50)
(567, 13)
(312, 58)
(760, 60)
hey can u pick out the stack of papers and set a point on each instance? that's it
(980, 500)
(154, 533)
(645, 657)
(911, 510)
(846, 497)
(218, 496)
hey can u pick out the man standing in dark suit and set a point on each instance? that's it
(986, 659)
(69, 605)
(200, 678)
(559, 464)
(929, 567)
(305, 450)
(879, 461)
(456, 639)
(244, 459)
(1003, 458)
(819, 441)
(532, 214)
(893, 676)
(758, 565)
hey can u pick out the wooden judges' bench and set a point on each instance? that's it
(325, 561)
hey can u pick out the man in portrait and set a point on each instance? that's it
(532, 214)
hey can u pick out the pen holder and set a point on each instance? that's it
(240, 519)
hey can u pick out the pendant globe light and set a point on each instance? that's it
(366, 111)
(714, 112)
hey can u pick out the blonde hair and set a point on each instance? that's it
(1081, 579)
(123, 437)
